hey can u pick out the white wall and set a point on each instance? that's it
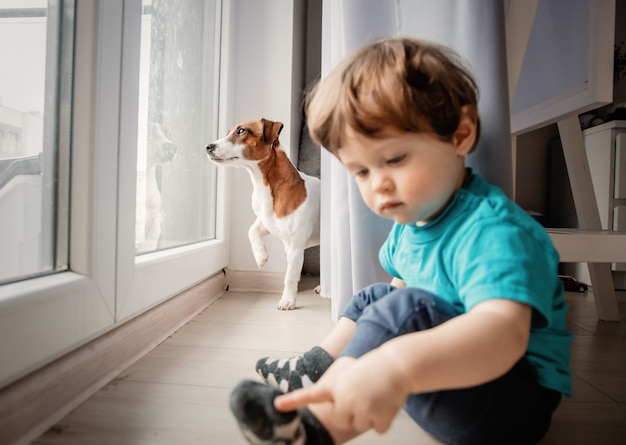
(263, 75)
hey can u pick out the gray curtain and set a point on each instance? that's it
(351, 234)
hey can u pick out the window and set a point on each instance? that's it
(132, 65)
(175, 185)
(36, 50)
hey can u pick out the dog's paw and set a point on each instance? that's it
(261, 258)
(286, 305)
(262, 262)
(318, 289)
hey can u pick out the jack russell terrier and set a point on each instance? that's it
(286, 202)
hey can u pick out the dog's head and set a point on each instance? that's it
(248, 142)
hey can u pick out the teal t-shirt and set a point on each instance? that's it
(483, 246)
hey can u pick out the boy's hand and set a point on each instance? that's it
(365, 393)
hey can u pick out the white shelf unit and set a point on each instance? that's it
(605, 146)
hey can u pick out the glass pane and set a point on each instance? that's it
(35, 82)
(175, 184)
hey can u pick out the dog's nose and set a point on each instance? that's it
(210, 148)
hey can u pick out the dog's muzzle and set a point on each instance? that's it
(210, 151)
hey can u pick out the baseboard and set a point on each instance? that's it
(34, 403)
(254, 281)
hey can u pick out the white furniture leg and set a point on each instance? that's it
(587, 213)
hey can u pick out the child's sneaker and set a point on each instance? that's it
(252, 404)
(288, 374)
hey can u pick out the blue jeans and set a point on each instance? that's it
(513, 409)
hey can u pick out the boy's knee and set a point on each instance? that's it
(365, 297)
(372, 293)
(407, 310)
(378, 290)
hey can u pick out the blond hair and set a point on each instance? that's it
(408, 84)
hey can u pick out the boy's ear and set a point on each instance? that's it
(467, 131)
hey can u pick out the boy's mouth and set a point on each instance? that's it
(389, 206)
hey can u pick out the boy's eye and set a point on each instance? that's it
(360, 173)
(396, 159)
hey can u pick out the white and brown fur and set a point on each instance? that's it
(286, 202)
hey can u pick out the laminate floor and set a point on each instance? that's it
(178, 393)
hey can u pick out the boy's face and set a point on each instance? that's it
(407, 177)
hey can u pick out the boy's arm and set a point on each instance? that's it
(467, 350)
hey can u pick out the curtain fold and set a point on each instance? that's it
(351, 234)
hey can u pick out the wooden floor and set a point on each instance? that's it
(178, 393)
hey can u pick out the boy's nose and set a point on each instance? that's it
(382, 183)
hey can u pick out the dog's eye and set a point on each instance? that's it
(240, 131)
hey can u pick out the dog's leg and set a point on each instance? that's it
(295, 260)
(255, 234)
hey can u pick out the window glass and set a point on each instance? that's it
(177, 103)
(35, 83)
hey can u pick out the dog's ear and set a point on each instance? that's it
(271, 130)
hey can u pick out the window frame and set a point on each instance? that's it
(107, 284)
(145, 280)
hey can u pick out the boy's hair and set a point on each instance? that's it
(409, 84)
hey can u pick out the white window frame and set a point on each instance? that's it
(44, 318)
